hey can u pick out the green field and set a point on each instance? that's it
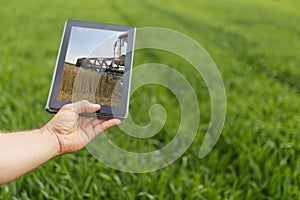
(255, 45)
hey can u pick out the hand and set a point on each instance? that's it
(72, 131)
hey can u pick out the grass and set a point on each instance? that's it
(255, 45)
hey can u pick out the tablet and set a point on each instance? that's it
(94, 63)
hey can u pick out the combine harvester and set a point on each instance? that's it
(114, 66)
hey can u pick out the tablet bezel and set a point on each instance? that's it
(53, 105)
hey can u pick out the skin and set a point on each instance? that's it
(66, 132)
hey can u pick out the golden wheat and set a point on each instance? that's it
(79, 83)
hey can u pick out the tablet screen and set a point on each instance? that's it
(94, 66)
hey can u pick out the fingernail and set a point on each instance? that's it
(118, 121)
(97, 106)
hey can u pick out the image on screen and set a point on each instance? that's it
(94, 66)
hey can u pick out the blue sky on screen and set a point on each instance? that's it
(87, 42)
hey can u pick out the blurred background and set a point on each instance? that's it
(255, 45)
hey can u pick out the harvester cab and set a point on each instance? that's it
(120, 48)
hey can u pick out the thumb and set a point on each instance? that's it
(85, 106)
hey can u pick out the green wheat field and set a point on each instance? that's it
(254, 43)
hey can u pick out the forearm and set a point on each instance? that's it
(21, 152)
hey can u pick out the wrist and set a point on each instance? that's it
(53, 139)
